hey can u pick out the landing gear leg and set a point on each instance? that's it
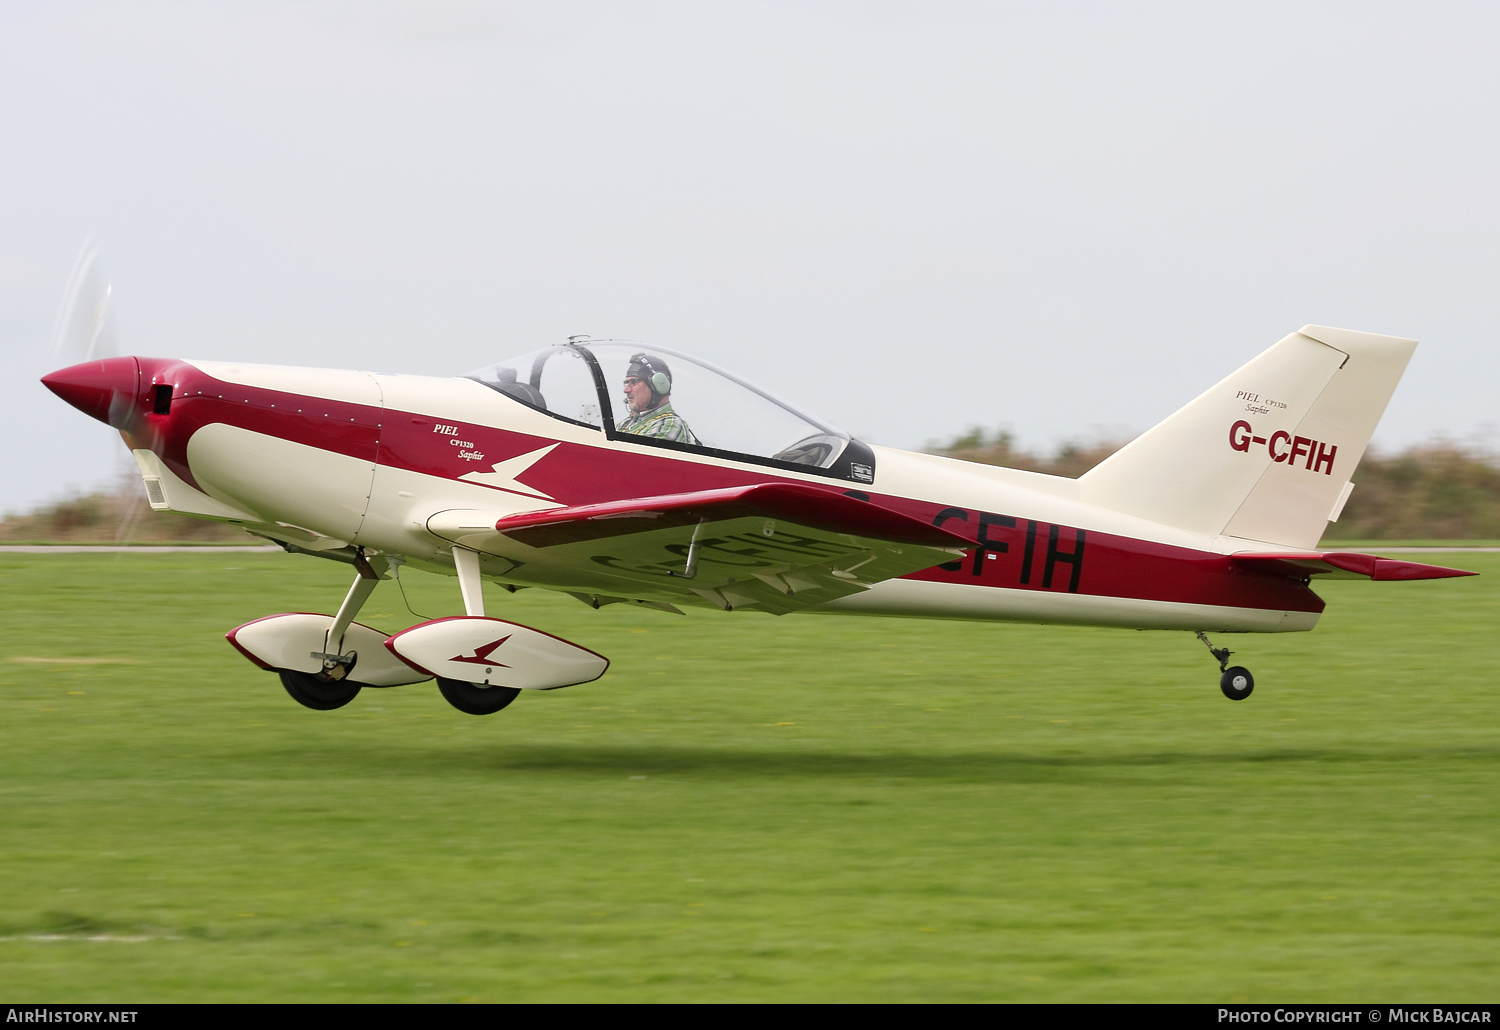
(331, 688)
(336, 664)
(1234, 680)
(473, 698)
(466, 564)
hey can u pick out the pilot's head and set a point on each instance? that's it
(648, 382)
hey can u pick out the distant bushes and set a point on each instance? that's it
(1443, 490)
(1440, 490)
(1071, 459)
(112, 516)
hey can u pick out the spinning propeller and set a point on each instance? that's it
(85, 348)
(84, 329)
(91, 375)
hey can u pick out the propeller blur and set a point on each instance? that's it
(85, 324)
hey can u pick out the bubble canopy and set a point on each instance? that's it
(662, 398)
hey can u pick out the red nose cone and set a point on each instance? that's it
(104, 389)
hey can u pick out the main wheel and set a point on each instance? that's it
(1236, 683)
(322, 695)
(476, 698)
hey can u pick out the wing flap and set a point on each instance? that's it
(1343, 565)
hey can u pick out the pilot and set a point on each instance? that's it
(648, 392)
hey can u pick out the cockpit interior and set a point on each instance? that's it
(650, 395)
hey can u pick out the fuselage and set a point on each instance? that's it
(328, 460)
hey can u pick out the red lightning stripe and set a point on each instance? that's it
(481, 655)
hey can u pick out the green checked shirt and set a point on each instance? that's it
(660, 423)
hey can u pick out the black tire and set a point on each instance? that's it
(475, 698)
(1236, 683)
(321, 695)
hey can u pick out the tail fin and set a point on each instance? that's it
(1267, 453)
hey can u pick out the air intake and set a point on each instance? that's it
(154, 493)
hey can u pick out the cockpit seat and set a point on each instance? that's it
(523, 392)
(817, 451)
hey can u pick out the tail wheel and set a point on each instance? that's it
(1236, 683)
(322, 695)
(476, 698)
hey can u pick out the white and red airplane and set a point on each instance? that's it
(696, 488)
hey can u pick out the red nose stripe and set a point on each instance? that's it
(105, 390)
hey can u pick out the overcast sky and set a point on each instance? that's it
(908, 218)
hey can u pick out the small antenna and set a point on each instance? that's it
(574, 341)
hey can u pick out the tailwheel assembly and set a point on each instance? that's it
(476, 698)
(1234, 680)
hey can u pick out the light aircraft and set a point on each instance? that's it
(626, 474)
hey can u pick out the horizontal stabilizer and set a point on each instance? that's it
(1341, 565)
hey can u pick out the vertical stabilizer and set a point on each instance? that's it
(1267, 453)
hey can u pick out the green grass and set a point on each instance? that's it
(804, 808)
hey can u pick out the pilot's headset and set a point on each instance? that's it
(654, 373)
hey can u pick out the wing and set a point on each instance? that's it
(1341, 565)
(779, 547)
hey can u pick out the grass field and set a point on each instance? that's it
(804, 808)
